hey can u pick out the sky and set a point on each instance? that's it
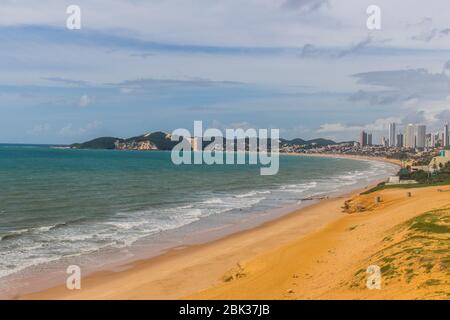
(311, 68)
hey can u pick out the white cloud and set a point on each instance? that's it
(69, 129)
(237, 22)
(126, 90)
(381, 124)
(434, 114)
(378, 125)
(39, 129)
(304, 5)
(337, 127)
(85, 101)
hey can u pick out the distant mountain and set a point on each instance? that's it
(321, 142)
(301, 142)
(99, 143)
(298, 142)
(162, 141)
(150, 141)
(347, 142)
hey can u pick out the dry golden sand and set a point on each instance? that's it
(318, 252)
(347, 156)
(331, 263)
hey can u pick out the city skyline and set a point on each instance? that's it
(414, 136)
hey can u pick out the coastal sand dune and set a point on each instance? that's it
(319, 252)
(408, 238)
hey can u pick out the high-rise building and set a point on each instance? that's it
(400, 140)
(409, 136)
(369, 139)
(420, 136)
(384, 142)
(434, 139)
(363, 139)
(446, 138)
(429, 140)
(392, 134)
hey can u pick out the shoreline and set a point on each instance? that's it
(332, 262)
(100, 278)
(347, 156)
(97, 278)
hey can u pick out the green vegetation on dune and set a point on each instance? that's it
(383, 186)
(431, 222)
(424, 179)
(417, 253)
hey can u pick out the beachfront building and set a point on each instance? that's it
(410, 136)
(445, 138)
(432, 140)
(428, 140)
(392, 134)
(363, 139)
(369, 139)
(420, 136)
(400, 140)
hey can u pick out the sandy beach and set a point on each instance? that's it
(331, 263)
(348, 156)
(318, 252)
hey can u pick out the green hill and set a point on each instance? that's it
(301, 142)
(162, 141)
(99, 143)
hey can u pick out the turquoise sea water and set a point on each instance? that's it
(56, 203)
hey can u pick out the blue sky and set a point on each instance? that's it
(308, 67)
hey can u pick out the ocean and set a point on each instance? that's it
(76, 205)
